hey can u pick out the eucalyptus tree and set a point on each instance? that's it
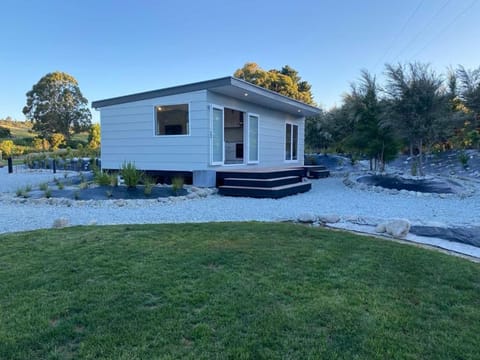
(56, 105)
(285, 81)
(416, 98)
(370, 136)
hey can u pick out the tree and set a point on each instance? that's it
(415, 104)
(370, 136)
(57, 140)
(7, 147)
(318, 132)
(94, 137)
(41, 144)
(56, 105)
(5, 132)
(470, 90)
(284, 81)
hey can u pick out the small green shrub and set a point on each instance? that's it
(83, 185)
(43, 186)
(102, 178)
(131, 176)
(464, 158)
(148, 183)
(60, 185)
(114, 180)
(28, 188)
(22, 192)
(414, 168)
(177, 184)
(48, 193)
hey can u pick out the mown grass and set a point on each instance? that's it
(230, 290)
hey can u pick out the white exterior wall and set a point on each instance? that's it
(271, 132)
(128, 134)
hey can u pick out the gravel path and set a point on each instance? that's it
(328, 196)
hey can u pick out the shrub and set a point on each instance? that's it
(48, 193)
(464, 158)
(43, 186)
(7, 147)
(5, 132)
(23, 192)
(149, 183)
(102, 178)
(177, 184)
(131, 176)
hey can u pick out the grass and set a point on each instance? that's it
(229, 290)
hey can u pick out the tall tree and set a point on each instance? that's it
(369, 137)
(470, 96)
(415, 98)
(56, 105)
(285, 81)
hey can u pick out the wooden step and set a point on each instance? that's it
(263, 192)
(267, 183)
(258, 174)
(318, 174)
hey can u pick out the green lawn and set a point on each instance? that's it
(232, 290)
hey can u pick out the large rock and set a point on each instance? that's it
(398, 228)
(307, 218)
(329, 219)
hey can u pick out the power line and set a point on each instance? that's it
(392, 43)
(427, 26)
(469, 6)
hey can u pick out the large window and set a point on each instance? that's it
(171, 120)
(291, 142)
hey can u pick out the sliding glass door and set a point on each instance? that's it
(291, 142)
(217, 136)
(252, 138)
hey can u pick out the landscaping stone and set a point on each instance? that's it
(307, 218)
(397, 228)
(60, 223)
(329, 219)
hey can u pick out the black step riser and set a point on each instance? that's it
(265, 192)
(261, 183)
(319, 174)
(258, 175)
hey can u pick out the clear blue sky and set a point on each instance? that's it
(119, 47)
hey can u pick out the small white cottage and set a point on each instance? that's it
(224, 123)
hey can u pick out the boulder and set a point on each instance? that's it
(398, 228)
(329, 219)
(307, 218)
(60, 223)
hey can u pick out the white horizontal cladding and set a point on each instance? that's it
(271, 129)
(128, 134)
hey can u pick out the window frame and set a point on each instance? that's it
(172, 135)
(291, 159)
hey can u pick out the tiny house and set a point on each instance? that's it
(220, 124)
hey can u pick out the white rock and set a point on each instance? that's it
(329, 219)
(307, 218)
(398, 228)
(60, 223)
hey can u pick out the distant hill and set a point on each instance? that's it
(18, 129)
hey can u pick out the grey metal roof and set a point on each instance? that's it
(229, 86)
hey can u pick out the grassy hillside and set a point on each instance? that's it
(232, 291)
(18, 129)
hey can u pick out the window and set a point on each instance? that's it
(171, 120)
(252, 138)
(291, 142)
